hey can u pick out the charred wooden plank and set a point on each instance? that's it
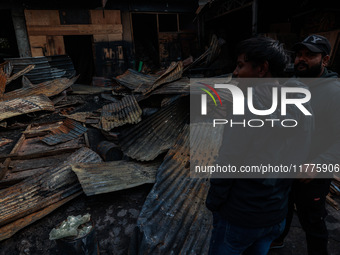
(18, 74)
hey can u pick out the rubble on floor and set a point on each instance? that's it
(36, 175)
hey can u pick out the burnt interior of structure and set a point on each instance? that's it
(79, 48)
(146, 39)
(8, 42)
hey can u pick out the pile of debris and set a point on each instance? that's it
(145, 121)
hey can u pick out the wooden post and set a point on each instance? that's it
(128, 36)
(19, 23)
(254, 19)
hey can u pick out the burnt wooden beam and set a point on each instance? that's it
(75, 29)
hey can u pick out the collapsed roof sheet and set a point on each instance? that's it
(155, 134)
(120, 113)
(70, 129)
(133, 79)
(181, 86)
(174, 218)
(174, 72)
(24, 105)
(49, 88)
(42, 190)
(142, 83)
(46, 68)
(98, 178)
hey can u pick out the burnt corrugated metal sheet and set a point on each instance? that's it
(98, 178)
(24, 105)
(133, 79)
(121, 113)
(83, 117)
(181, 86)
(174, 218)
(155, 134)
(42, 190)
(44, 70)
(142, 83)
(174, 72)
(70, 129)
(62, 62)
(49, 88)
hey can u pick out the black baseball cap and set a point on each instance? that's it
(315, 43)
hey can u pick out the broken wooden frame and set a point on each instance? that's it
(30, 155)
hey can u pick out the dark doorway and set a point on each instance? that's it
(8, 42)
(79, 48)
(146, 39)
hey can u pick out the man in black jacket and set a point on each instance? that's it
(250, 213)
(309, 194)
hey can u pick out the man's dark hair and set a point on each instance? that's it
(257, 50)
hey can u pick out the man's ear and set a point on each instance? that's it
(325, 60)
(263, 69)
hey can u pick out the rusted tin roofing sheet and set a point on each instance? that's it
(133, 79)
(62, 62)
(46, 68)
(41, 191)
(121, 113)
(70, 129)
(174, 218)
(30, 155)
(49, 88)
(181, 86)
(155, 134)
(83, 117)
(174, 72)
(24, 105)
(98, 178)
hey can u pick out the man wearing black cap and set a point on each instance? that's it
(312, 56)
(309, 195)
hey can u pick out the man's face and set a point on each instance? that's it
(245, 69)
(308, 64)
